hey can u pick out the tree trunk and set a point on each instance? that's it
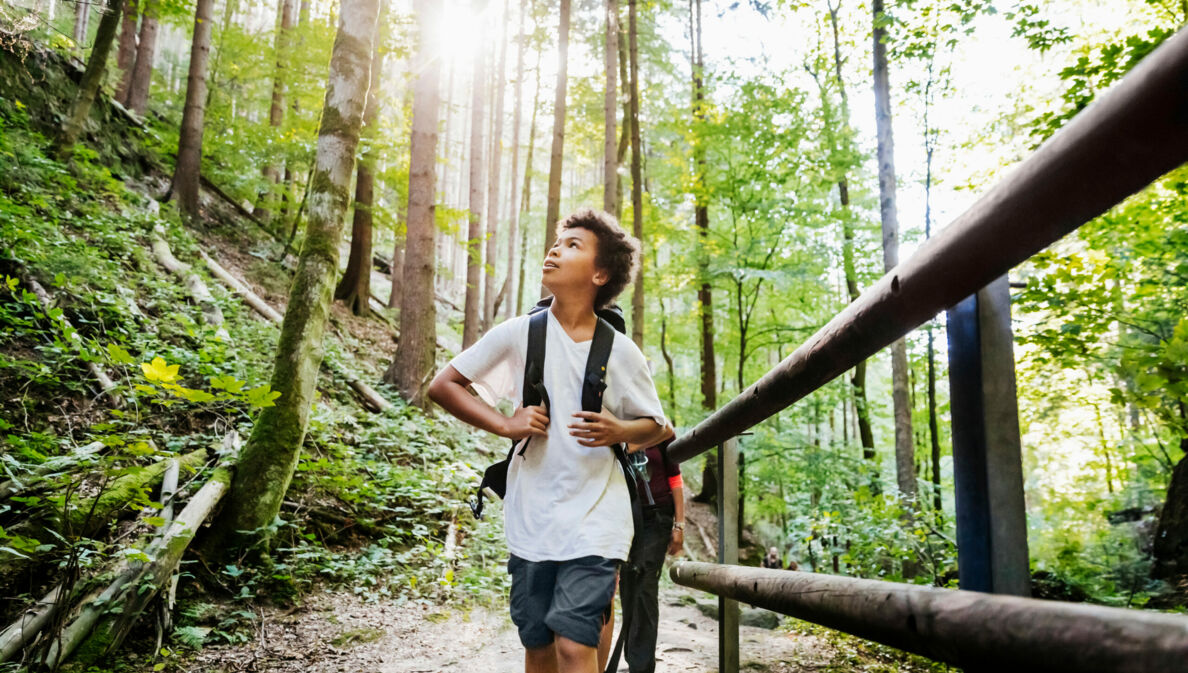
(355, 287)
(267, 461)
(189, 144)
(514, 274)
(493, 182)
(142, 71)
(553, 210)
(933, 432)
(625, 133)
(396, 292)
(637, 293)
(610, 159)
(126, 55)
(526, 196)
(82, 14)
(276, 110)
(709, 365)
(1170, 550)
(413, 365)
(672, 406)
(905, 453)
(472, 312)
(92, 78)
(858, 379)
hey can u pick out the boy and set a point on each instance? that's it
(567, 512)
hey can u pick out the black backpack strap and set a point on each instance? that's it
(495, 476)
(534, 392)
(594, 383)
(593, 387)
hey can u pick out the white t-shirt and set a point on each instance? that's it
(563, 500)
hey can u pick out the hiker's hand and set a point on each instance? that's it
(528, 422)
(597, 429)
(677, 544)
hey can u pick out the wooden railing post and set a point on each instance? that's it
(728, 552)
(987, 459)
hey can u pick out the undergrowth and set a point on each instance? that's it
(373, 496)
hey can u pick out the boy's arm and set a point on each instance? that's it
(448, 389)
(604, 429)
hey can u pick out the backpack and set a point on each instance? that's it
(610, 319)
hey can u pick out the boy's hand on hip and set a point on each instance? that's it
(526, 422)
(597, 429)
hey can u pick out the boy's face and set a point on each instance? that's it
(570, 266)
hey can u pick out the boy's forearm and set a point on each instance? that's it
(644, 431)
(455, 399)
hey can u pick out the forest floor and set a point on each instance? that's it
(339, 632)
(333, 630)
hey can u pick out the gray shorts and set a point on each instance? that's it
(566, 598)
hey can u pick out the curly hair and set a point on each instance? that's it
(618, 251)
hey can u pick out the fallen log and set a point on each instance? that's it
(37, 616)
(106, 385)
(97, 630)
(211, 313)
(89, 514)
(30, 623)
(373, 400)
(164, 607)
(262, 307)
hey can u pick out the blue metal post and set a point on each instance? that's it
(987, 458)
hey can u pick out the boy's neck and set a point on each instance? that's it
(573, 313)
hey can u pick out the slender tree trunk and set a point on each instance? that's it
(553, 210)
(514, 273)
(267, 462)
(142, 70)
(354, 289)
(526, 197)
(495, 179)
(189, 146)
(933, 426)
(610, 163)
(905, 453)
(472, 313)
(276, 110)
(126, 55)
(92, 78)
(858, 379)
(637, 293)
(413, 364)
(933, 432)
(625, 133)
(672, 406)
(82, 15)
(709, 365)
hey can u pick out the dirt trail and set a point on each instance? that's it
(339, 632)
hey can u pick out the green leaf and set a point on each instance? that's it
(119, 356)
(262, 396)
(228, 383)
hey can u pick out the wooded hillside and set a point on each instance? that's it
(238, 239)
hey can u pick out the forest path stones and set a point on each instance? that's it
(340, 632)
